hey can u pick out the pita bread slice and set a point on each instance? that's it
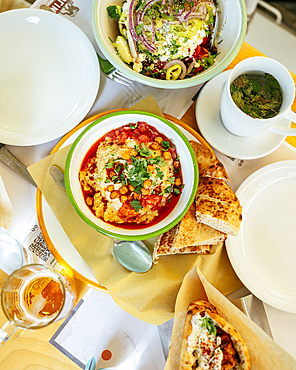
(194, 233)
(208, 163)
(196, 348)
(164, 245)
(218, 206)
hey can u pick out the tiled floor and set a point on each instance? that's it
(272, 39)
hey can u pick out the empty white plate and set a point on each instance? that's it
(49, 76)
(264, 253)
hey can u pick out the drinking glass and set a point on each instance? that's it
(33, 297)
(12, 255)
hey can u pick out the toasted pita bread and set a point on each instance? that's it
(190, 349)
(188, 236)
(192, 232)
(217, 206)
(208, 163)
(164, 245)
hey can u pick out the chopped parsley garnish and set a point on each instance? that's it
(175, 47)
(114, 11)
(159, 174)
(133, 126)
(208, 323)
(136, 205)
(110, 164)
(176, 191)
(144, 151)
(168, 189)
(139, 28)
(166, 145)
(157, 160)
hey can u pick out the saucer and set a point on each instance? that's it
(209, 122)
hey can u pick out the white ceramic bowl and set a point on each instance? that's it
(98, 129)
(232, 29)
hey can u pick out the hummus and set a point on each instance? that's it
(132, 175)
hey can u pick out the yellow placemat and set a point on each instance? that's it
(150, 296)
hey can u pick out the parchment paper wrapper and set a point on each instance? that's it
(150, 296)
(265, 354)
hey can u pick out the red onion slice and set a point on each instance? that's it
(131, 25)
(180, 63)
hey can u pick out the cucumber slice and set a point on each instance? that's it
(123, 49)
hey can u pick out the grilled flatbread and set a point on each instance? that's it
(192, 232)
(210, 342)
(208, 163)
(188, 236)
(218, 206)
(165, 246)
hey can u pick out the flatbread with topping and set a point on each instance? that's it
(208, 163)
(210, 342)
(218, 206)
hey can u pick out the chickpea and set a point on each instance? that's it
(131, 188)
(155, 145)
(150, 168)
(144, 191)
(158, 139)
(137, 196)
(110, 188)
(123, 198)
(147, 184)
(112, 173)
(123, 190)
(178, 181)
(167, 155)
(176, 164)
(114, 194)
(89, 201)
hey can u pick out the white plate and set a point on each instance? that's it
(60, 240)
(209, 122)
(49, 76)
(264, 253)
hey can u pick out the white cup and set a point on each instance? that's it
(239, 123)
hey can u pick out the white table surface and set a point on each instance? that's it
(111, 96)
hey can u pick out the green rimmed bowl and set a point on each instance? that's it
(232, 28)
(98, 129)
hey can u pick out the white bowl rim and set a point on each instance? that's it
(178, 84)
(144, 234)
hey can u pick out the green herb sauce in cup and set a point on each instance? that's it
(257, 95)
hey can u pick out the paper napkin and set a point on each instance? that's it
(101, 329)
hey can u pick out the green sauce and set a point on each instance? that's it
(259, 96)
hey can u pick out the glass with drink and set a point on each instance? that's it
(33, 297)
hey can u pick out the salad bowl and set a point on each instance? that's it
(232, 24)
(93, 134)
